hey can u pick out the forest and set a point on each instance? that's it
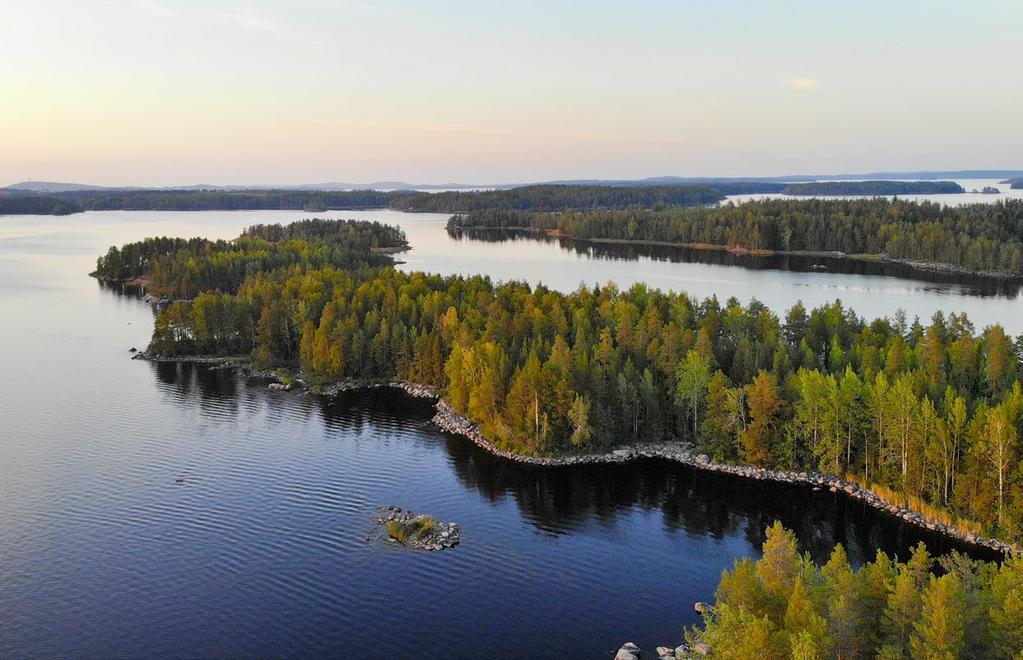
(182, 268)
(928, 415)
(18, 204)
(63, 203)
(559, 197)
(784, 606)
(873, 188)
(986, 238)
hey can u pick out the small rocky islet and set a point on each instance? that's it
(418, 531)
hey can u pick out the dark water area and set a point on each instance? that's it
(172, 510)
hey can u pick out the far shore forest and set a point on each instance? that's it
(547, 197)
(977, 238)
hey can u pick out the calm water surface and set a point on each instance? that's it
(176, 511)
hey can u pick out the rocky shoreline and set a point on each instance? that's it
(450, 421)
(194, 359)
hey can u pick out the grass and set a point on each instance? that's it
(919, 505)
(419, 527)
(426, 525)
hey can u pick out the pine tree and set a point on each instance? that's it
(762, 436)
(718, 428)
(941, 631)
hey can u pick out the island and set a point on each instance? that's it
(556, 197)
(984, 239)
(418, 532)
(873, 188)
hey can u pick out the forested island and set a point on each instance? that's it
(183, 268)
(980, 238)
(560, 197)
(928, 415)
(784, 606)
(873, 188)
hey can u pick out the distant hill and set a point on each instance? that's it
(57, 187)
(50, 186)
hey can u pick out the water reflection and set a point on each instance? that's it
(693, 501)
(971, 285)
(561, 501)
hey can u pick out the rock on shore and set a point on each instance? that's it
(630, 651)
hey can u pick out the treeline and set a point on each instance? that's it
(559, 197)
(973, 237)
(63, 203)
(873, 188)
(183, 268)
(11, 204)
(784, 606)
(931, 413)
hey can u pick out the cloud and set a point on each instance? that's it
(802, 83)
(153, 7)
(250, 20)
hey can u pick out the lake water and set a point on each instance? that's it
(170, 510)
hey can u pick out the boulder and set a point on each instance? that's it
(663, 652)
(629, 651)
(703, 608)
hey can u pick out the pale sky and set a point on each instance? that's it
(169, 92)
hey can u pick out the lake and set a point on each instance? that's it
(171, 510)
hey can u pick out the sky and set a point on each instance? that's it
(176, 92)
